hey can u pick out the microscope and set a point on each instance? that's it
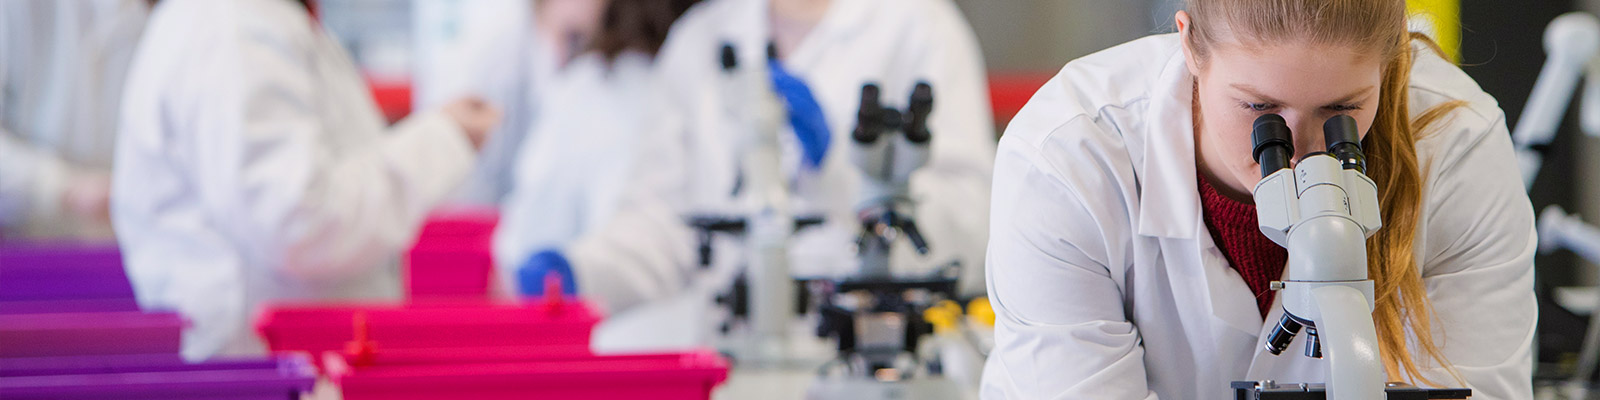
(875, 317)
(1322, 211)
(764, 298)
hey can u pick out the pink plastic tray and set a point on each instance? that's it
(558, 327)
(440, 374)
(452, 256)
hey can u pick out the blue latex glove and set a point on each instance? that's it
(805, 115)
(532, 273)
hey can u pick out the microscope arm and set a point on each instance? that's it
(1571, 41)
(1558, 230)
(1347, 331)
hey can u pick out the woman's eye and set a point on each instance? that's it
(1258, 107)
(1343, 107)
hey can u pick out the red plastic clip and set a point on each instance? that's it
(362, 350)
(552, 301)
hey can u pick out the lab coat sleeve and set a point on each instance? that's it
(953, 188)
(540, 211)
(1477, 250)
(1061, 331)
(644, 251)
(324, 214)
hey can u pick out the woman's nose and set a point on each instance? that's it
(1307, 137)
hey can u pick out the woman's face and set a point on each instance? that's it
(1304, 83)
(563, 21)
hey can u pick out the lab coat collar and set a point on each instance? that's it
(1169, 200)
(750, 30)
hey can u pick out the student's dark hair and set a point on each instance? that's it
(638, 25)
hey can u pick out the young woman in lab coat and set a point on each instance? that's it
(1125, 260)
(62, 65)
(571, 170)
(515, 69)
(252, 166)
(645, 254)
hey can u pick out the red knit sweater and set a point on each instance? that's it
(1234, 228)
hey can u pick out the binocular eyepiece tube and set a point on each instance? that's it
(1274, 144)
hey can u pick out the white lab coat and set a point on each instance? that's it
(646, 252)
(253, 166)
(1107, 286)
(62, 65)
(512, 71)
(571, 171)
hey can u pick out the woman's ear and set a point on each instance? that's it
(1183, 22)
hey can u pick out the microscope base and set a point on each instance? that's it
(1268, 390)
(933, 388)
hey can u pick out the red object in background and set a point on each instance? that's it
(535, 327)
(1010, 90)
(393, 97)
(453, 256)
(496, 375)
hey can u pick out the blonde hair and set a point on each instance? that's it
(1379, 27)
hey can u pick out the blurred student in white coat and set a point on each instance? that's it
(62, 64)
(645, 253)
(252, 165)
(575, 163)
(1125, 257)
(513, 68)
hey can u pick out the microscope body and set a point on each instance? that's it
(876, 317)
(889, 145)
(1322, 211)
(768, 222)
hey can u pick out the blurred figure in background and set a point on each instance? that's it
(646, 252)
(253, 165)
(573, 166)
(512, 71)
(62, 64)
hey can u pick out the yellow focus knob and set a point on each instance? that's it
(943, 315)
(978, 310)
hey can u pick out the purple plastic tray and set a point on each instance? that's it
(89, 333)
(155, 377)
(54, 277)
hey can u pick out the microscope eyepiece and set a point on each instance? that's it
(1273, 143)
(921, 106)
(1344, 142)
(869, 117)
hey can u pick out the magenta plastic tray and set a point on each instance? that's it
(155, 377)
(559, 328)
(452, 256)
(89, 333)
(442, 374)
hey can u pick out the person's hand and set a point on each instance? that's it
(88, 196)
(475, 116)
